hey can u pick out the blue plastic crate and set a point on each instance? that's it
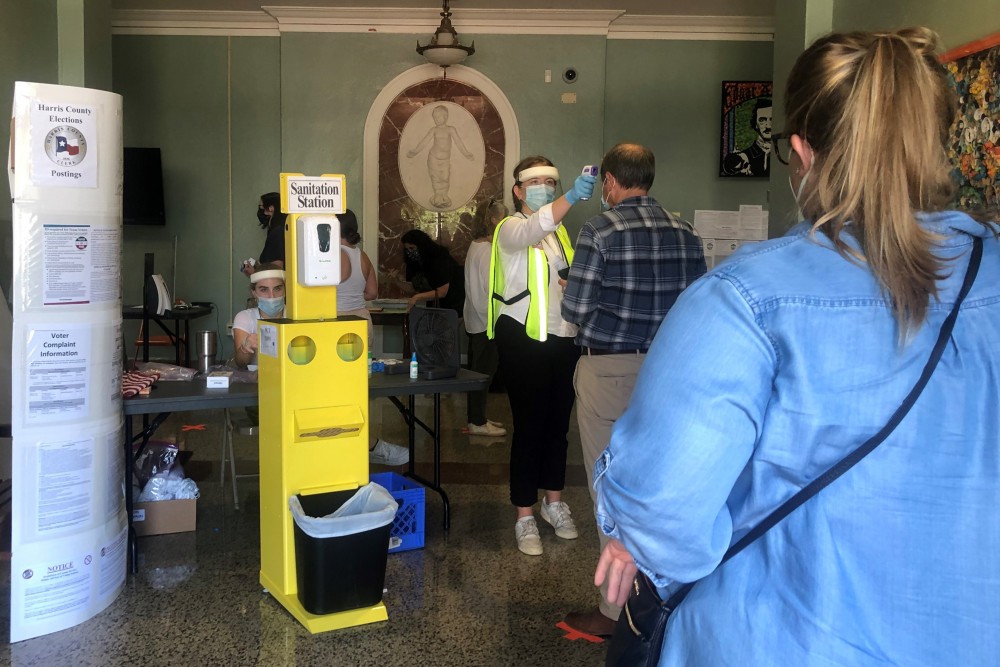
(409, 522)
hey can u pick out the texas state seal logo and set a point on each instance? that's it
(66, 146)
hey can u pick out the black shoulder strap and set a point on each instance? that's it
(864, 450)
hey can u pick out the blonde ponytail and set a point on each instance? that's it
(876, 108)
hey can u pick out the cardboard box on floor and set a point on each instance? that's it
(164, 516)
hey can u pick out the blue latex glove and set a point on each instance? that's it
(583, 187)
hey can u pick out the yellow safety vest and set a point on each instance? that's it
(538, 285)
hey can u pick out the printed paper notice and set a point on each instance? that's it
(105, 263)
(708, 246)
(81, 264)
(64, 144)
(717, 224)
(66, 261)
(752, 225)
(269, 340)
(56, 588)
(116, 367)
(58, 374)
(115, 500)
(65, 484)
(112, 565)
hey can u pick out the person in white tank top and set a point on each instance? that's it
(358, 284)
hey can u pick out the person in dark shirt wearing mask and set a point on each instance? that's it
(433, 272)
(273, 220)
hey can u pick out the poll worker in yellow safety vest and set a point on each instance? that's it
(537, 355)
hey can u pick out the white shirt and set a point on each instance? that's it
(517, 235)
(477, 286)
(351, 293)
(246, 320)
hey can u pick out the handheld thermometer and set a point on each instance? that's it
(590, 170)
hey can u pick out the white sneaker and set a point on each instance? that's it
(497, 424)
(528, 541)
(388, 454)
(558, 515)
(487, 429)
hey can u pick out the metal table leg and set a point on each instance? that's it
(177, 342)
(133, 560)
(412, 422)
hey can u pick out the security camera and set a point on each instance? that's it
(570, 75)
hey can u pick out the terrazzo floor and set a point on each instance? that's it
(468, 598)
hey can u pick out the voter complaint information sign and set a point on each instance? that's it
(322, 194)
(64, 150)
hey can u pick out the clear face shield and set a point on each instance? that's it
(541, 186)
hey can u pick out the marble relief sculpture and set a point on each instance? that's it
(455, 150)
(439, 157)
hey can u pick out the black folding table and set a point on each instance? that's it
(168, 397)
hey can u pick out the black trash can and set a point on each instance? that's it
(339, 573)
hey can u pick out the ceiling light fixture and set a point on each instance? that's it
(445, 49)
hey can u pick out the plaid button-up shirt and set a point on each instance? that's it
(630, 265)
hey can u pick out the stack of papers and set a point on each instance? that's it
(724, 232)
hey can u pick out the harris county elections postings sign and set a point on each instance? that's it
(314, 194)
(64, 144)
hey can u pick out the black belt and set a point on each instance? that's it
(593, 352)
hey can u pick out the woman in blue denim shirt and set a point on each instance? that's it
(792, 354)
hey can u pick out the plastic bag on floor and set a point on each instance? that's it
(371, 507)
(164, 487)
(157, 459)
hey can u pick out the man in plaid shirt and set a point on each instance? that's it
(629, 266)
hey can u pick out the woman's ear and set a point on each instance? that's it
(804, 151)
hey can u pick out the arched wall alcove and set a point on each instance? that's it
(413, 88)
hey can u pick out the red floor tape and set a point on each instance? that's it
(193, 427)
(576, 634)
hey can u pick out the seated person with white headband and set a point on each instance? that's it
(267, 286)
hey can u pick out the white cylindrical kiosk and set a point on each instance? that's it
(69, 522)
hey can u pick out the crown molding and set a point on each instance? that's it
(272, 21)
(734, 28)
(425, 20)
(195, 22)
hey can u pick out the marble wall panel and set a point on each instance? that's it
(398, 212)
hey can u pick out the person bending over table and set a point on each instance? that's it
(444, 276)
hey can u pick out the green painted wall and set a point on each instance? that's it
(957, 23)
(175, 91)
(299, 103)
(256, 131)
(668, 95)
(28, 52)
(97, 44)
(330, 80)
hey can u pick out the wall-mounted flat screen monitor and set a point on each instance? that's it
(142, 199)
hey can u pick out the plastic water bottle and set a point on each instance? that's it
(414, 371)
(369, 363)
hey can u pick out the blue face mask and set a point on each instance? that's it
(537, 196)
(271, 307)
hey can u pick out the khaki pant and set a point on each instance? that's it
(603, 385)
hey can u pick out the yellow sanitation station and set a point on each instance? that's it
(313, 378)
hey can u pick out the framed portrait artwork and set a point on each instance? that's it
(746, 129)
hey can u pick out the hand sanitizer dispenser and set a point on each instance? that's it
(318, 241)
